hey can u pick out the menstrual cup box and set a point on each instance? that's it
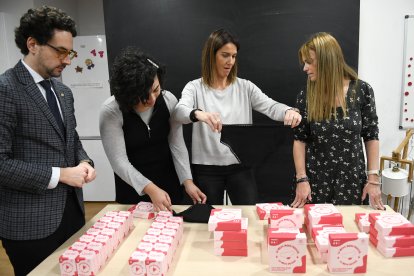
(263, 209)
(287, 252)
(225, 220)
(322, 214)
(143, 210)
(67, 263)
(321, 235)
(156, 264)
(391, 224)
(286, 218)
(348, 253)
(240, 235)
(362, 221)
(137, 263)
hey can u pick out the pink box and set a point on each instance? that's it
(150, 238)
(231, 244)
(144, 210)
(240, 235)
(348, 253)
(287, 252)
(362, 221)
(391, 224)
(165, 214)
(322, 214)
(86, 238)
(78, 246)
(154, 231)
(158, 225)
(111, 234)
(145, 246)
(321, 236)
(286, 218)
(161, 219)
(87, 263)
(137, 263)
(156, 264)
(67, 263)
(396, 241)
(230, 252)
(178, 220)
(390, 252)
(263, 209)
(101, 254)
(165, 248)
(99, 225)
(225, 220)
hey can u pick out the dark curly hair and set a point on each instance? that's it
(40, 24)
(132, 77)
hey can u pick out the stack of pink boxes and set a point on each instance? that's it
(286, 242)
(322, 220)
(154, 253)
(348, 252)
(230, 232)
(392, 234)
(363, 222)
(93, 249)
(143, 210)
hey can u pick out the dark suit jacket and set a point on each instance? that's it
(30, 145)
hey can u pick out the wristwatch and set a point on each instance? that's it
(376, 172)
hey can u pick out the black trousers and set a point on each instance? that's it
(25, 255)
(237, 180)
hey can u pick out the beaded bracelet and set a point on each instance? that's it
(303, 179)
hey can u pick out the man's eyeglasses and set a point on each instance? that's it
(63, 53)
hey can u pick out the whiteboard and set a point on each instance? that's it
(88, 78)
(407, 89)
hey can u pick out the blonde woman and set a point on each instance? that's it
(338, 110)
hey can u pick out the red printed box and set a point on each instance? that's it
(143, 210)
(362, 221)
(137, 263)
(231, 244)
(287, 252)
(240, 235)
(322, 214)
(390, 252)
(286, 218)
(321, 236)
(391, 224)
(348, 253)
(263, 209)
(67, 263)
(225, 220)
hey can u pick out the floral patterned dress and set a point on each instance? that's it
(335, 162)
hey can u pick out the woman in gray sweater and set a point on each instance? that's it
(218, 97)
(143, 144)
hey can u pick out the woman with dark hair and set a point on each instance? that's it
(144, 145)
(218, 97)
(338, 112)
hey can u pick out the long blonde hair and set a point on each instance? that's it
(326, 92)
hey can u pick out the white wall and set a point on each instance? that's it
(381, 40)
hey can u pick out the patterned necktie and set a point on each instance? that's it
(51, 101)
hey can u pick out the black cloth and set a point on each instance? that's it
(51, 101)
(148, 151)
(252, 144)
(237, 180)
(335, 162)
(196, 213)
(25, 255)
